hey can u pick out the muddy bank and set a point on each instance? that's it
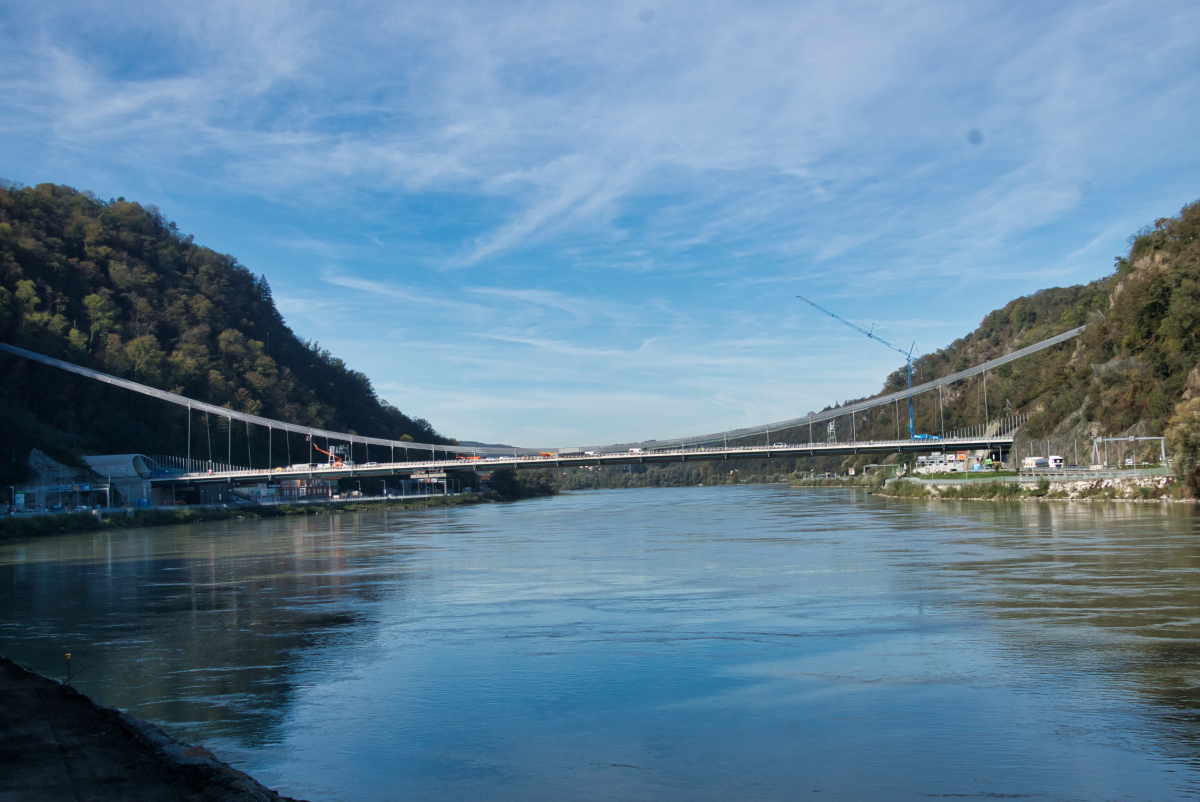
(58, 744)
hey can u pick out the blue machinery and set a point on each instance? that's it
(907, 361)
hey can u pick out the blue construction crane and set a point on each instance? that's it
(907, 359)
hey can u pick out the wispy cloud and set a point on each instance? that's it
(547, 298)
(389, 290)
(579, 182)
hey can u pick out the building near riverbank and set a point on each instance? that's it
(306, 487)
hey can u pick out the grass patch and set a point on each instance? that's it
(983, 490)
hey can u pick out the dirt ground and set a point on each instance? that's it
(57, 744)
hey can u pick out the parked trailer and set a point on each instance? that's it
(1052, 462)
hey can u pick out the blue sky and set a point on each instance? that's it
(582, 223)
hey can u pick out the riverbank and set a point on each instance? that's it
(12, 526)
(1146, 489)
(869, 481)
(57, 743)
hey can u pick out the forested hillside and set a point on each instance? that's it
(1134, 370)
(1132, 365)
(114, 286)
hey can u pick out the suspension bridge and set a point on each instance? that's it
(435, 458)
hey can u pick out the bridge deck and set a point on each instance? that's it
(492, 462)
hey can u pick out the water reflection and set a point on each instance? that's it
(204, 626)
(708, 643)
(1107, 590)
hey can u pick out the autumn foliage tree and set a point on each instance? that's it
(115, 286)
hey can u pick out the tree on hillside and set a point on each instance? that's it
(1183, 439)
(114, 286)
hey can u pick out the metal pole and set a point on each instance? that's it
(189, 447)
(985, 404)
(941, 412)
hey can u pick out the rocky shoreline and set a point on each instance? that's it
(1144, 489)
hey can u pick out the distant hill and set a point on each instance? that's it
(1132, 367)
(1132, 371)
(113, 285)
(1135, 370)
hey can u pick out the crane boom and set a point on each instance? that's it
(334, 459)
(871, 334)
(906, 354)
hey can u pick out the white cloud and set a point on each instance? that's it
(621, 197)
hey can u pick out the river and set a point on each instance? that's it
(757, 643)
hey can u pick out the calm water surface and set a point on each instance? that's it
(698, 643)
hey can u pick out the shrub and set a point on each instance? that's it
(1183, 438)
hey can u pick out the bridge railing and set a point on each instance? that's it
(934, 444)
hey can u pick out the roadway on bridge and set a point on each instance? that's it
(587, 459)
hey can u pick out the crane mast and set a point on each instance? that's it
(906, 354)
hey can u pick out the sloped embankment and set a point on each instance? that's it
(57, 743)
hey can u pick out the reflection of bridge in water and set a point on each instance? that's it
(992, 435)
